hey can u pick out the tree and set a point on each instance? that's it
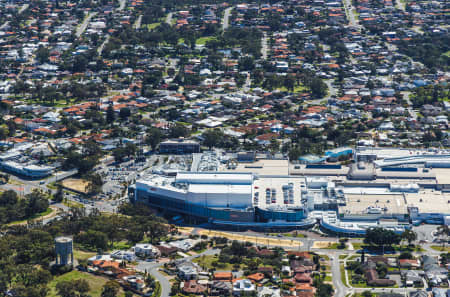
(59, 195)
(381, 237)
(246, 63)
(72, 288)
(409, 236)
(318, 88)
(289, 83)
(443, 231)
(178, 130)
(110, 114)
(80, 63)
(110, 289)
(153, 137)
(124, 113)
(42, 54)
(37, 202)
(212, 138)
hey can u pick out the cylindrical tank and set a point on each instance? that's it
(64, 249)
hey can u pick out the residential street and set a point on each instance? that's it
(152, 268)
(169, 18)
(226, 18)
(264, 46)
(350, 11)
(85, 24)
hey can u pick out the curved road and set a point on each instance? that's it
(153, 267)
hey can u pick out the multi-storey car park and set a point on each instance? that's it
(273, 194)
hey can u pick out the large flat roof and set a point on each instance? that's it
(429, 201)
(220, 189)
(358, 204)
(212, 177)
(262, 167)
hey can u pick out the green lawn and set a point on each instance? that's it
(121, 245)
(398, 248)
(152, 26)
(70, 203)
(440, 248)
(343, 278)
(447, 54)
(206, 262)
(95, 283)
(82, 255)
(324, 257)
(203, 40)
(297, 89)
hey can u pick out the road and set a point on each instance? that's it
(153, 267)
(226, 18)
(332, 91)
(248, 83)
(400, 4)
(340, 289)
(23, 8)
(85, 24)
(350, 11)
(169, 18)
(410, 109)
(138, 22)
(24, 186)
(122, 4)
(102, 46)
(264, 46)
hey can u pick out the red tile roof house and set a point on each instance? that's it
(192, 287)
(373, 280)
(223, 276)
(303, 278)
(407, 263)
(256, 277)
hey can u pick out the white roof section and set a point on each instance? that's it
(220, 189)
(214, 178)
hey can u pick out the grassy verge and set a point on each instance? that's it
(82, 255)
(95, 283)
(152, 26)
(440, 248)
(70, 203)
(203, 40)
(343, 278)
(157, 291)
(36, 216)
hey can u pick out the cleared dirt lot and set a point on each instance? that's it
(77, 185)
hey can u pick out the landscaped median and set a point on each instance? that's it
(157, 291)
(253, 239)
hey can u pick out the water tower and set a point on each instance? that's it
(64, 249)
